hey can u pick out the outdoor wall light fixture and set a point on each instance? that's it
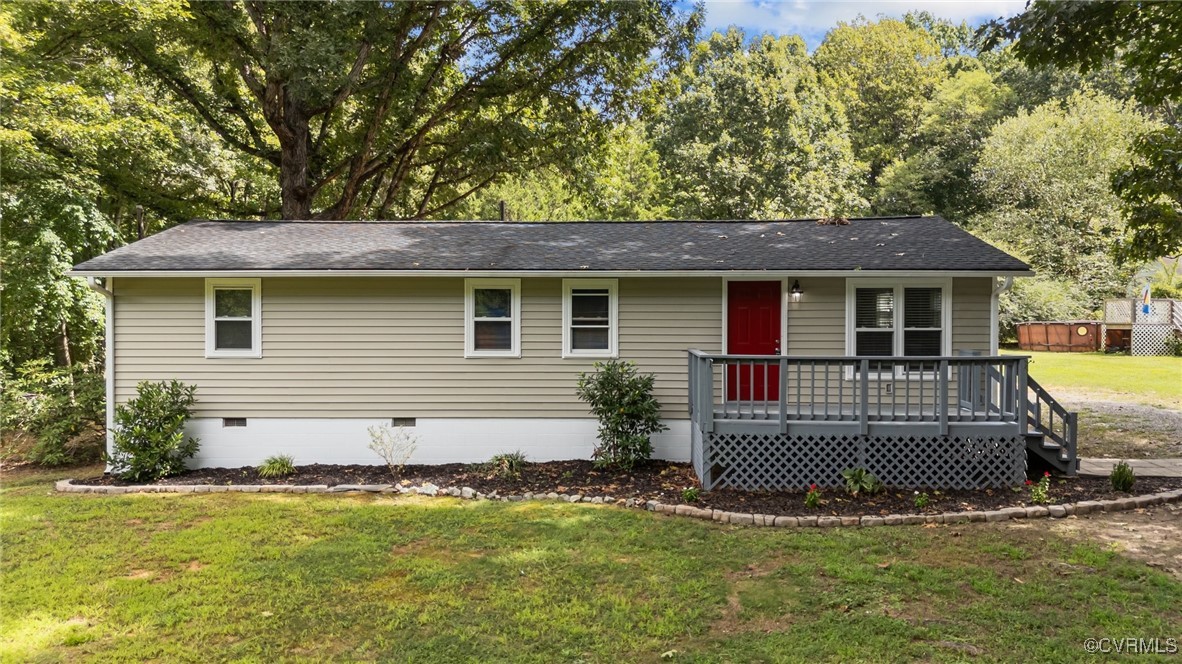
(796, 291)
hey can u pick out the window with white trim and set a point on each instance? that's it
(492, 318)
(909, 319)
(233, 318)
(590, 313)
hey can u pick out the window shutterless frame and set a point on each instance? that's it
(897, 328)
(510, 315)
(255, 319)
(579, 326)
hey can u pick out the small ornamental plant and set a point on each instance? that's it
(690, 494)
(280, 465)
(1122, 477)
(812, 499)
(921, 500)
(1040, 491)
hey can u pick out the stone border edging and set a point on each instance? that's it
(739, 518)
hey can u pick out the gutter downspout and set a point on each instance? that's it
(998, 289)
(104, 289)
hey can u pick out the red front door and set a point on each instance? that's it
(753, 328)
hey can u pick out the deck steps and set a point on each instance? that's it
(1052, 430)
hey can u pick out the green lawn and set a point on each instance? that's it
(263, 577)
(1154, 381)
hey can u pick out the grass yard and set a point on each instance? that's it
(262, 577)
(1153, 381)
(1129, 407)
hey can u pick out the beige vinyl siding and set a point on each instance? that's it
(816, 324)
(971, 298)
(394, 347)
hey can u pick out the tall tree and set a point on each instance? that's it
(373, 109)
(1145, 38)
(884, 72)
(936, 175)
(90, 158)
(1046, 174)
(750, 132)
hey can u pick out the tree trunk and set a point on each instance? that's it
(66, 359)
(294, 142)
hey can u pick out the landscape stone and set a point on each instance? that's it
(872, 521)
(807, 521)
(742, 519)
(429, 489)
(828, 522)
(1036, 511)
(467, 492)
(1057, 511)
(786, 522)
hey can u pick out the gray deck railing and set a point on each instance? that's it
(863, 390)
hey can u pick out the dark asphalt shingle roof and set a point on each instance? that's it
(897, 243)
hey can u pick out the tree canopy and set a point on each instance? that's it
(374, 110)
(1144, 38)
(749, 131)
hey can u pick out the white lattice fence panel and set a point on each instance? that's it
(952, 462)
(756, 461)
(761, 461)
(1117, 312)
(1151, 339)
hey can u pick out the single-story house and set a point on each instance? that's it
(784, 351)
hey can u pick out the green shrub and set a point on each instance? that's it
(860, 480)
(62, 408)
(628, 413)
(690, 494)
(1122, 477)
(921, 500)
(507, 464)
(280, 465)
(1174, 344)
(150, 440)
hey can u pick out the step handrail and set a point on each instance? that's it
(1041, 402)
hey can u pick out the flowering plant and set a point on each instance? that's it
(1040, 491)
(813, 497)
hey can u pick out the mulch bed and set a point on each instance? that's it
(664, 482)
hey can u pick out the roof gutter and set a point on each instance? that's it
(95, 286)
(552, 273)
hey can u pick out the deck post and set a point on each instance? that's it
(942, 403)
(864, 406)
(1020, 405)
(784, 395)
(707, 391)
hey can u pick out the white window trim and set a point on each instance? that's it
(613, 314)
(851, 345)
(470, 287)
(256, 318)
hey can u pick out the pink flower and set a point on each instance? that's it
(1046, 473)
(1028, 482)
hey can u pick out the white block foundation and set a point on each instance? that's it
(346, 441)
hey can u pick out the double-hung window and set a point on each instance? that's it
(910, 319)
(233, 318)
(589, 318)
(492, 313)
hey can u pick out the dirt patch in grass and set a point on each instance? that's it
(1153, 536)
(1123, 430)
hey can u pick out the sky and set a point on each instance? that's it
(811, 19)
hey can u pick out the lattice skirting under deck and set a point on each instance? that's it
(765, 461)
